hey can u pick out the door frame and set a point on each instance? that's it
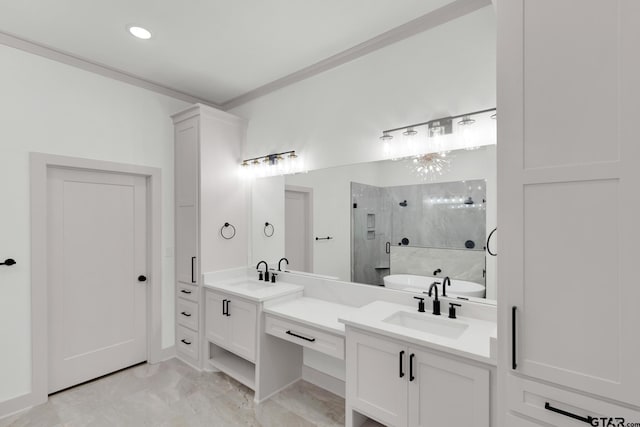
(40, 163)
(308, 192)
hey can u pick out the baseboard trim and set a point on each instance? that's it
(164, 354)
(18, 404)
(188, 362)
(324, 381)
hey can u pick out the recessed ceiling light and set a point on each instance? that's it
(139, 32)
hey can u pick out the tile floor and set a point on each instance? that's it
(173, 394)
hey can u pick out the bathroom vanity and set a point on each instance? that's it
(402, 367)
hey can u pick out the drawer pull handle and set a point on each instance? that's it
(301, 337)
(184, 313)
(411, 377)
(588, 419)
(401, 358)
(193, 273)
(186, 342)
(225, 307)
(184, 291)
(514, 364)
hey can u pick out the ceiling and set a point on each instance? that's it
(210, 49)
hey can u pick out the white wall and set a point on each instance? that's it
(54, 108)
(336, 117)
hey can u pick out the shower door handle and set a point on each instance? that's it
(387, 247)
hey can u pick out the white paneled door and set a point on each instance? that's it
(97, 242)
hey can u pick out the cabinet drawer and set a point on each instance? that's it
(187, 313)
(186, 291)
(187, 342)
(306, 336)
(530, 397)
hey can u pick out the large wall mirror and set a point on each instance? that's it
(393, 223)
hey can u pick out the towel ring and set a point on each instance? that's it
(228, 236)
(489, 241)
(269, 229)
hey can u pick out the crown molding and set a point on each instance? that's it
(97, 68)
(449, 12)
(416, 26)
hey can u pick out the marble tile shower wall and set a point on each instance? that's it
(448, 215)
(436, 215)
(370, 231)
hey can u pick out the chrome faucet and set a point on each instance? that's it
(436, 301)
(446, 282)
(282, 259)
(266, 271)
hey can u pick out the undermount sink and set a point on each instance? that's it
(426, 322)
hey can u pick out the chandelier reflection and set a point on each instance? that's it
(431, 165)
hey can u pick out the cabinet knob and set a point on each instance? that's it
(142, 278)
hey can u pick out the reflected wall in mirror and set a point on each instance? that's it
(437, 227)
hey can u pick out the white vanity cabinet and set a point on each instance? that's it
(404, 385)
(231, 323)
(208, 193)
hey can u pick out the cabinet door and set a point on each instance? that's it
(216, 323)
(242, 328)
(377, 375)
(186, 194)
(567, 176)
(446, 393)
(187, 162)
(187, 244)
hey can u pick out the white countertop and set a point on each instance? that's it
(252, 289)
(474, 343)
(314, 312)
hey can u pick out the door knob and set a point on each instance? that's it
(142, 278)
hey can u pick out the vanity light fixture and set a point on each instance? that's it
(410, 132)
(440, 127)
(386, 136)
(284, 163)
(436, 129)
(139, 32)
(466, 121)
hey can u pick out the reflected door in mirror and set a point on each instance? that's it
(299, 228)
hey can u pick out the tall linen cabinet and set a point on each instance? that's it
(568, 243)
(209, 193)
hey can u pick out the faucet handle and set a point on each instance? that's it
(273, 277)
(260, 275)
(452, 309)
(420, 304)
